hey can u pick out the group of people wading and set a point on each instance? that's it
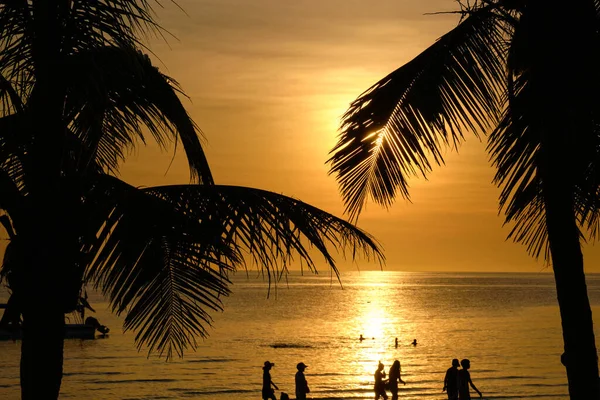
(391, 383)
(456, 381)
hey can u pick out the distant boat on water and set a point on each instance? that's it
(86, 330)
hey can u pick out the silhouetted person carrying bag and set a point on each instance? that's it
(267, 391)
(451, 381)
(394, 377)
(464, 380)
(301, 385)
(379, 383)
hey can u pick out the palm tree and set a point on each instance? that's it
(528, 70)
(76, 93)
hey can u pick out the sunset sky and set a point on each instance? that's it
(268, 81)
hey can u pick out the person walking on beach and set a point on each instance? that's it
(267, 391)
(394, 377)
(464, 380)
(379, 383)
(301, 385)
(451, 381)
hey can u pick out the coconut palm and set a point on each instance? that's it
(76, 94)
(525, 72)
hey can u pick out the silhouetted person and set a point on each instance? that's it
(361, 338)
(267, 391)
(396, 342)
(301, 385)
(464, 380)
(379, 383)
(414, 342)
(394, 377)
(451, 381)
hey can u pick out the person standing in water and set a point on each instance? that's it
(394, 377)
(464, 380)
(379, 383)
(267, 391)
(451, 381)
(301, 385)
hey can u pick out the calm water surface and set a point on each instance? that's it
(507, 325)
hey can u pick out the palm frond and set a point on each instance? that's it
(515, 147)
(10, 100)
(165, 270)
(16, 60)
(113, 92)
(91, 23)
(271, 227)
(14, 143)
(80, 25)
(395, 128)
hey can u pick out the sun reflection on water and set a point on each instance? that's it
(380, 318)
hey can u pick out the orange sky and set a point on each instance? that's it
(268, 81)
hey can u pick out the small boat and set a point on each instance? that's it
(86, 330)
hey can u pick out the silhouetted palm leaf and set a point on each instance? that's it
(86, 24)
(271, 227)
(10, 100)
(163, 254)
(112, 93)
(515, 147)
(167, 271)
(405, 120)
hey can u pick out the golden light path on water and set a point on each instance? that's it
(380, 322)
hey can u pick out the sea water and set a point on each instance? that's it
(508, 325)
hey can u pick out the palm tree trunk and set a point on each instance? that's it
(43, 311)
(580, 355)
(42, 350)
(560, 82)
(44, 288)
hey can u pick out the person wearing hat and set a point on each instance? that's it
(267, 391)
(451, 381)
(301, 385)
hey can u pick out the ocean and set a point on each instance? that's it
(508, 325)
